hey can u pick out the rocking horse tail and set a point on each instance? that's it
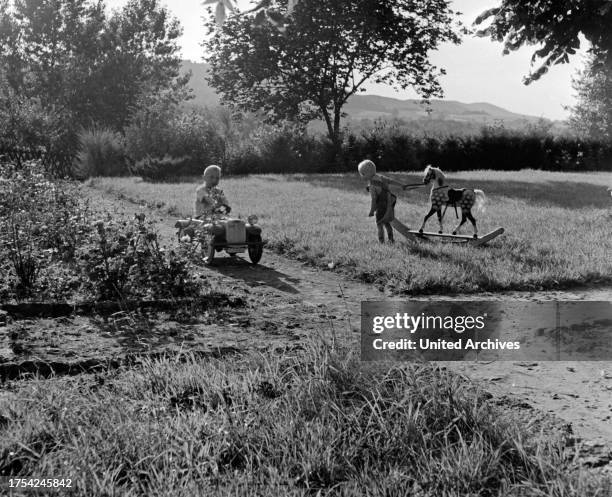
(479, 204)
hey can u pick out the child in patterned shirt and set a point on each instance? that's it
(383, 200)
(209, 198)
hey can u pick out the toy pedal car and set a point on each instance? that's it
(234, 236)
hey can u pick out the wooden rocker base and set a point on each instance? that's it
(417, 236)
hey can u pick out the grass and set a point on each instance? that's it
(557, 227)
(292, 424)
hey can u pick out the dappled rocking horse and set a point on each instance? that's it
(443, 196)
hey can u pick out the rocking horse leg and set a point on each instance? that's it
(473, 221)
(440, 221)
(427, 216)
(463, 220)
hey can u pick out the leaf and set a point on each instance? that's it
(260, 18)
(276, 18)
(220, 13)
(261, 5)
(230, 5)
(605, 9)
(486, 14)
(291, 5)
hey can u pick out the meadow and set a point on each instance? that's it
(557, 226)
(301, 418)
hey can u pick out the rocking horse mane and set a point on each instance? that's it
(439, 175)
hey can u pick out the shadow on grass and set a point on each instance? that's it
(566, 194)
(255, 275)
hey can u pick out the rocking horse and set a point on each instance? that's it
(443, 195)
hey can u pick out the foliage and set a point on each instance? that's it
(262, 8)
(591, 117)
(85, 65)
(158, 168)
(158, 129)
(398, 147)
(49, 246)
(124, 259)
(17, 238)
(41, 223)
(25, 123)
(555, 25)
(326, 54)
(101, 153)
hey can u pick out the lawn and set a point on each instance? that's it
(557, 226)
(312, 423)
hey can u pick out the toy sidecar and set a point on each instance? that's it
(218, 233)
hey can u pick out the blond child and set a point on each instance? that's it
(209, 198)
(382, 199)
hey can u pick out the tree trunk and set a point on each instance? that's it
(333, 133)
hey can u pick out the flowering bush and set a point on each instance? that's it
(41, 222)
(51, 248)
(124, 259)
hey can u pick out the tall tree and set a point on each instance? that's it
(325, 52)
(73, 57)
(592, 114)
(556, 25)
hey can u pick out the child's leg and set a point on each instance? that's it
(381, 232)
(389, 229)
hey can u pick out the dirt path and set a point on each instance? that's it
(578, 392)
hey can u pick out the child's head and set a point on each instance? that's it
(366, 169)
(212, 175)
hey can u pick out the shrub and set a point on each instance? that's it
(17, 237)
(101, 153)
(162, 130)
(125, 259)
(25, 123)
(161, 168)
(41, 222)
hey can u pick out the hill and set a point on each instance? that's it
(369, 107)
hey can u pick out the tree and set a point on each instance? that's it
(592, 115)
(324, 53)
(556, 24)
(76, 59)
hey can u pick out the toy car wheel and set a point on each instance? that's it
(255, 248)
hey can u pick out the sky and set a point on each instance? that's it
(476, 70)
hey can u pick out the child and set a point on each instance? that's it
(383, 201)
(209, 198)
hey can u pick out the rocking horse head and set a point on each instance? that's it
(433, 174)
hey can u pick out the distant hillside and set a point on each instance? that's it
(369, 107)
(373, 106)
(204, 95)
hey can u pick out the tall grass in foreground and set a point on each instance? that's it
(290, 424)
(557, 228)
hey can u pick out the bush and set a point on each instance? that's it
(161, 168)
(125, 259)
(101, 153)
(287, 149)
(24, 123)
(161, 130)
(41, 222)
